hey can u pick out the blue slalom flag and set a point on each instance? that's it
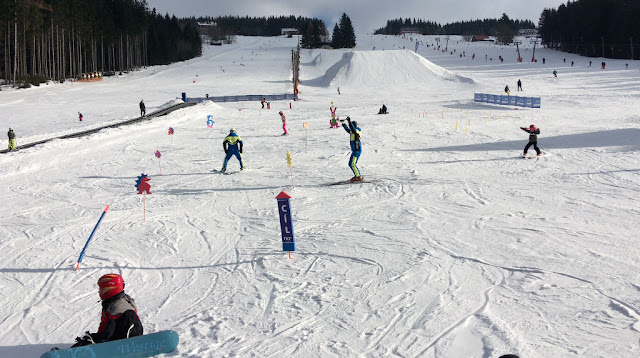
(90, 236)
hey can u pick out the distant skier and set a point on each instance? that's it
(119, 313)
(544, 60)
(232, 146)
(519, 85)
(533, 139)
(143, 108)
(12, 139)
(555, 73)
(571, 63)
(506, 90)
(333, 122)
(264, 100)
(356, 147)
(284, 122)
(80, 116)
(383, 110)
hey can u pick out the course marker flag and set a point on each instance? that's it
(90, 236)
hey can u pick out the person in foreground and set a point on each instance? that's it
(356, 147)
(119, 314)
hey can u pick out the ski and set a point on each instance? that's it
(347, 182)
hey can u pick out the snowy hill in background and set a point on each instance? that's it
(383, 69)
(457, 247)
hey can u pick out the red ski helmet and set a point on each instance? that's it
(110, 285)
(532, 127)
(280, 113)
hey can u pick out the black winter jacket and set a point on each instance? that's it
(533, 134)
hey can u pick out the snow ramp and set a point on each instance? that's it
(381, 69)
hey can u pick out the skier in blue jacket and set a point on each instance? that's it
(232, 146)
(356, 147)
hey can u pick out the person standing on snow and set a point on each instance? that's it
(80, 116)
(12, 139)
(119, 313)
(356, 147)
(333, 122)
(284, 123)
(506, 89)
(232, 145)
(533, 139)
(519, 85)
(143, 108)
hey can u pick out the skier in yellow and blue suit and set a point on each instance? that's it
(232, 146)
(356, 147)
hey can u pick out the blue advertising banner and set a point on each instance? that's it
(536, 102)
(531, 102)
(528, 102)
(272, 97)
(286, 223)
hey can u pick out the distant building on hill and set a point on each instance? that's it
(480, 38)
(289, 31)
(528, 32)
(208, 29)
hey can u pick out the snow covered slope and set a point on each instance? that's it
(383, 69)
(456, 248)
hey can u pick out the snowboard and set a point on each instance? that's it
(136, 347)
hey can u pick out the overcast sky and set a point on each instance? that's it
(366, 15)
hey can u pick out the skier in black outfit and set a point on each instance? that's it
(519, 85)
(143, 108)
(383, 110)
(533, 139)
(119, 314)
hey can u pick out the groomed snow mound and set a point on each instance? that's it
(379, 69)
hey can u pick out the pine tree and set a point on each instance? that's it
(343, 33)
(336, 38)
(348, 33)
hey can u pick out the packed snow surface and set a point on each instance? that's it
(455, 246)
